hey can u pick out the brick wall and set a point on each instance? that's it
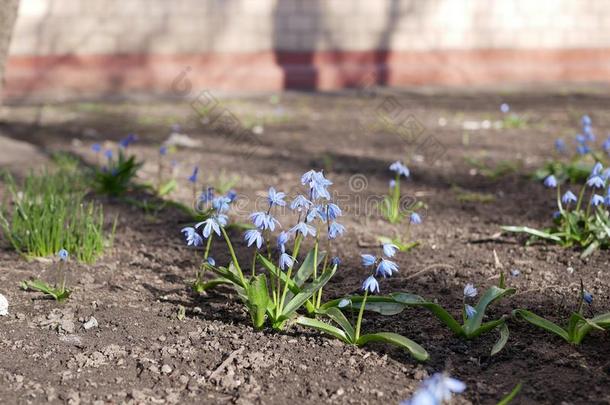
(325, 43)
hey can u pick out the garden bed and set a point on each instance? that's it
(142, 352)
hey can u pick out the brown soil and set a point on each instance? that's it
(142, 353)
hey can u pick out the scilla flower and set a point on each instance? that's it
(587, 297)
(96, 148)
(211, 224)
(560, 145)
(392, 183)
(504, 108)
(344, 302)
(550, 182)
(299, 203)
(221, 204)
(276, 197)
(128, 140)
(163, 150)
(470, 311)
(400, 169)
(596, 182)
(264, 221)
(371, 285)
(252, 236)
(108, 154)
(335, 229)
(470, 291)
(414, 218)
(192, 237)
(63, 255)
(583, 149)
(368, 260)
(211, 261)
(304, 229)
(335, 261)
(282, 239)
(568, 197)
(436, 390)
(193, 177)
(597, 200)
(285, 261)
(606, 145)
(333, 211)
(389, 249)
(597, 169)
(585, 120)
(231, 195)
(386, 268)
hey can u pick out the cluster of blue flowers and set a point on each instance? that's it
(218, 219)
(469, 292)
(597, 181)
(436, 390)
(584, 139)
(313, 210)
(383, 267)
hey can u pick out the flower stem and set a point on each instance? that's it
(359, 320)
(297, 246)
(233, 257)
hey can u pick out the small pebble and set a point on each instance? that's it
(166, 369)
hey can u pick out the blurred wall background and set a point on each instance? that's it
(64, 48)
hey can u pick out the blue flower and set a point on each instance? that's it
(193, 177)
(583, 149)
(335, 261)
(371, 285)
(304, 229)
(560, 145)
(344, 302)
(597, 200)
(333, 211)
(231, 195)
(436, 390)
(163, 150)
(568, 197)
(96, 147)
(221, 204)
(415, 219)
(504, 108)
(368, 260)
(63, 255)
(597, 169)
(335, 229)
(585, 120)
(389, 249)
(392, 183)
(606, 174)
(550, 181)
(211, 224)
(315, 212)
(386, 268)
(276, 197)
(299, 203)
(515, 272)
(589, 135)
(307, 177)
(596, 182)
(211, 261)
(192, 237)
(282, 239)
(400, 169)
(253, 236)
(470, 311)
(581, 139)
(318, 186)
(556, 214)
(606, 145)
(125, 142)
(470, 291)
(607, 199)
(207, 195)
(264, 221)
(108, 154)
(588, 297)
(285, 261)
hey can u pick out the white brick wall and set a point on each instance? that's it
(47, 27)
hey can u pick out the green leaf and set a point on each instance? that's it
(590, 249)
(336, 315)
(436, 309)
(532, 231)
(492, 294)
(200, 286)
(307, 291)
(306, 269)
(397, 340)
(602, 320)
(384, 305)
(258, 300)
(324, 327)
(501, 341)
(509, 398)
(167, 187)
(542, 323)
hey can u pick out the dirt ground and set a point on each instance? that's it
(142, 353)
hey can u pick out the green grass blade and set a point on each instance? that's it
(532, 231)
(511, 395)
(499, 345)
(306, 269)
(417, 351)
(336, 315)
